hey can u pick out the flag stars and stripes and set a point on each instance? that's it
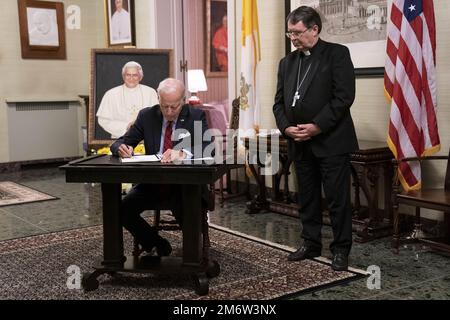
(412, 9)
(410, 84)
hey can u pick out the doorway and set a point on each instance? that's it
(181, 26)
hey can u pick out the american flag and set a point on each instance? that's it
(410, 84)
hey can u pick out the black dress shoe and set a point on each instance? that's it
(340, 262)
(163, 247)
(303, 253)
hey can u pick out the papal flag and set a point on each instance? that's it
(410, 84)
(249, 115)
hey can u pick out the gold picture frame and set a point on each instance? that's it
(120, 25)
(106, 73)
(42, 30)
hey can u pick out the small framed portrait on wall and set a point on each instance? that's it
(42, 31)
(217, 38)
(120, 24)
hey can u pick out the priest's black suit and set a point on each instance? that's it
(326, 96)
(148, 127)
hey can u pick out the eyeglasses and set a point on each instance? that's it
(295, 34)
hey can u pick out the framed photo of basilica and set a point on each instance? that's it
(359, 24)
(106, 74)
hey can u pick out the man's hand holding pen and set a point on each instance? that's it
(125, 151)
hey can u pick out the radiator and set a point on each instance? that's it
(43, 130)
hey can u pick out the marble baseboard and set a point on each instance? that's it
(6, 167)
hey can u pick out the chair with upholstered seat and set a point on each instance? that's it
(435, 199)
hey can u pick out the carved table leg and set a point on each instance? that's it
(357, 205)
(368, 181)
(259, 202)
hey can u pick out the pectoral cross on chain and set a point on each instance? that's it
(296, 98)
(299, 83)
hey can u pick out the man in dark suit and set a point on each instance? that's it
(174, 130)
(315, 90)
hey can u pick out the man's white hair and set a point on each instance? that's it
(171, 85)
(133, 64)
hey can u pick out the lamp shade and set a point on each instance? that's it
(196, 81)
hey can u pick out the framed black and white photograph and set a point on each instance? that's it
(42, 31)
(358, 24)
(120, 22)
(216, 38)
(106, 74)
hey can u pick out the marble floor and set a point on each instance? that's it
(415, 273)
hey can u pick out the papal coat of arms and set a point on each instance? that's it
(243, 99)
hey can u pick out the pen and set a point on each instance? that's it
(132, 150)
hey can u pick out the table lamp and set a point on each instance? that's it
(196, 83)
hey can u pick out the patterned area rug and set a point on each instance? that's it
(37, 268)
(13, 193)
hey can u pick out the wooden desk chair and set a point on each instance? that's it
(159, 225)
(436, 199)
(226, 193)
(171, 224)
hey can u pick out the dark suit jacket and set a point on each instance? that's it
(148, 126)
(328, 93)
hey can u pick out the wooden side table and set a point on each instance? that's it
(369, 222)
(372, 161)
(281, 201)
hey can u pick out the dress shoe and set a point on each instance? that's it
(303, 253)
(163, 247)
(340, 262)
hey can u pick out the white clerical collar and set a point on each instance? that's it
(306, 53)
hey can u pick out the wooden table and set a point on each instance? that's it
(371, 162)
(372, 158)
(110, 172)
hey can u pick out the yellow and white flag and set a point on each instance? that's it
(249, 113)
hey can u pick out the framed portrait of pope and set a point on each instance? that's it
(120, 24)
(123, 82)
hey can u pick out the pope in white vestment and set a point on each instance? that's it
(120, 24)
(120, 105)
